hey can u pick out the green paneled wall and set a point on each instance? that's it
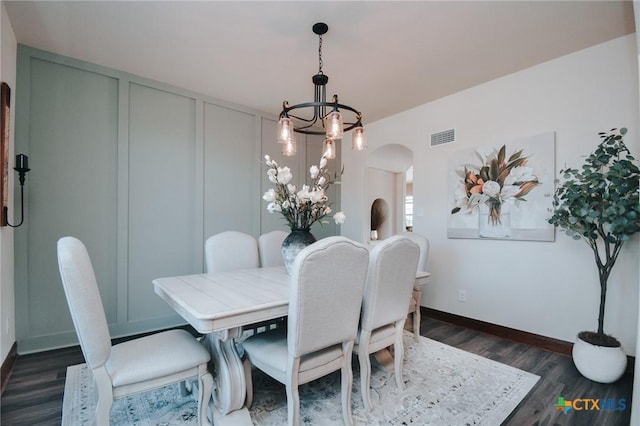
(142, 172)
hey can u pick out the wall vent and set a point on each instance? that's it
(446, 136)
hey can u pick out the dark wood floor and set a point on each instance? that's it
(33, 395)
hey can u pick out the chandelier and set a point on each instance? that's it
(320, 117)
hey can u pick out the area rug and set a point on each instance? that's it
(443, 386)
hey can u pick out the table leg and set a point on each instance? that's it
(229, 391)
(417, 295)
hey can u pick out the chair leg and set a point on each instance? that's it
(347, 380)
(293, 404)
(204, 395)
(105, 396)
(293, 397)
(398, 357)
(416, 322)
(365, 370)
(185, 388)
(103, 411)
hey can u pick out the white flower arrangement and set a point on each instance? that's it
(300, 207)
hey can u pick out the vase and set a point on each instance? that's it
(494, 220)
(598, 363)
(293, 244)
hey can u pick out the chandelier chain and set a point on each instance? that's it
(320, 54)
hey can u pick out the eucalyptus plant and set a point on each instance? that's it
(599, 204)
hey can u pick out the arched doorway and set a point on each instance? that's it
(387, 183)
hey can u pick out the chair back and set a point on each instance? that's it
(231, 250)
(423, 243)
(326, 292)
(83, 298)
(270, 248)
(390, 279)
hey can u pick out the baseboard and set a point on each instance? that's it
(542, 342)
(7, 366)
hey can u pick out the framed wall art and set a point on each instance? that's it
(503, 191)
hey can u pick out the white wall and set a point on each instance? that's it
(8, 48)
(547, 288)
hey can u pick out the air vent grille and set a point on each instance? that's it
(446, 136)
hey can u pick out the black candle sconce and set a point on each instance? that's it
(22, 167)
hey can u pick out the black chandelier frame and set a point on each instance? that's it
(320, 105)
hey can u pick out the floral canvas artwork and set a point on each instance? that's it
(503, 191)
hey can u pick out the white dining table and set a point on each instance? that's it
(218, 306)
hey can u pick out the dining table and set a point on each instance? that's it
(218, 305)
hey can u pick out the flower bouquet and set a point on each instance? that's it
(301, 207)
(496, 181)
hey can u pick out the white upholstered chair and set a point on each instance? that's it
(414, 306)
(270, 248)
(324, 307)
(134, 366)
(423, 243)
(231, 250)
(390, 278)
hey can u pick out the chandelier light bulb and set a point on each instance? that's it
(289, 148)
(358, 141)
(285, 130)
(329, 149)
(333, 125)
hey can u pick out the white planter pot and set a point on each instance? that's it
(599, 363)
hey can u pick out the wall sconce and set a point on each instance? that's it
(22, 167)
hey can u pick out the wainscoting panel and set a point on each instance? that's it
(162, 207)
(141, 171)
(231, 167)
(71, 143)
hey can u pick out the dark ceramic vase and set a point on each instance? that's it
(293, 244)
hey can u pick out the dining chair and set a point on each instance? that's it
(231, 250)
(325, 296)
(390, 278)
(414, 305)
(270, 248)
(133, 366)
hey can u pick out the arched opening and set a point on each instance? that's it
(388, 185)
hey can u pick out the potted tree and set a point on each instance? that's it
(599, 204)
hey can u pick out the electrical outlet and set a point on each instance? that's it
(462, 295)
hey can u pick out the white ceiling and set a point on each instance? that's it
(382, 57)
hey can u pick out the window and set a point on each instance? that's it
(408, 212)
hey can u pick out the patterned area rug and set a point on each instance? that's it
(444, 386)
